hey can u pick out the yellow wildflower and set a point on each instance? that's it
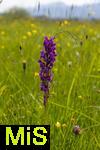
(2, 46)
(39, 46)
(52, 92)
(64, 125)
(34, 31)
(55, 69)
(56, 40)
(36, 74)
(66, 22)
(91, 30)
(32, 25)
(29, 33)
(24, 37)
(58, 125)
(58, 45)
(2, 33)
(80, 97)
(98, 70)
(68, 44)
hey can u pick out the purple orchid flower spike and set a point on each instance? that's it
(46, 61)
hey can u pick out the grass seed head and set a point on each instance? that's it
(24, 65)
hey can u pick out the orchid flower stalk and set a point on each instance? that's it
(46, 62)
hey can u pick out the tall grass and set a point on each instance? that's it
(75, 91)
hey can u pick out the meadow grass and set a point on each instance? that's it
(75, 89)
